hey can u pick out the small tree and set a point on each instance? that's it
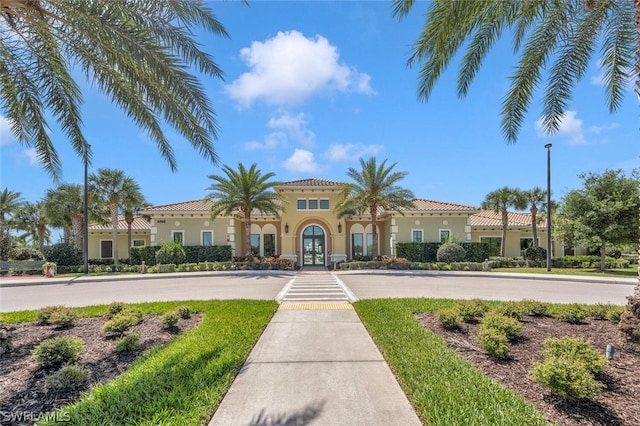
(499, 201)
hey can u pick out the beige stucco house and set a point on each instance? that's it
(309, 232)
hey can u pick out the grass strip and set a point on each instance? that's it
(180, 383)
(444, 388)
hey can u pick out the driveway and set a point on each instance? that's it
(490, 286)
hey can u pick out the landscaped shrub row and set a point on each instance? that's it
(193, 254)
(436, 266)
(428, 252)
(589, 262)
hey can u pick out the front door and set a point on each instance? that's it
(313, 246)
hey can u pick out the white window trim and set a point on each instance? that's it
(101, 256)
(309, 204)
(202, 236)
(173, 238)
(306, 204)
(440, 234)
(421, 235)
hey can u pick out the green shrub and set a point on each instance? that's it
(116, 308)
(511, 309)
(535, 308)
(146, 254)
(509, 326)
(128, 343)
(472, 310)
(494, 342)
(537, 254)
(68, 378)
(568, 368)
(184, 312)
(573, 313)
(187, 267)
(25, 253)
(577, 350)
(614, 314)
(451, 252)
(122, 322)
(170, 319)
(599, 311)
(63, 317)
(171, 253)
(57, 351)
(63, 254)
(45, 313)
(449, 318)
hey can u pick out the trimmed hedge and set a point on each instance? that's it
(428, 252)
(194, 254)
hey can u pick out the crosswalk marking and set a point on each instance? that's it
(322, 287)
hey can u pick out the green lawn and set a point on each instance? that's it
(631, 272)
(444, 388)
(182, 382)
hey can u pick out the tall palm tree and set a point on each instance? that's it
(138, 53)
(32, 219)
(110, 187)
(563, 34)
(374, 186)
(132, 202)
(245, 191)
(64, 207)
(499, 201)
(10, 203)
(535, 197)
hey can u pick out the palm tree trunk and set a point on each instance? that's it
(534, 226)
(373, 210)
(603, 257)
(114, 223)
(247, 237)
(129, 239)
(76, 229)
(41, 230)
(505, 225)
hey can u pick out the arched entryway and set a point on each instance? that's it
(313, 246)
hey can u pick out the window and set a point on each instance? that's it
(416, 235)
(269, 244)
(106, 248)
(369, 244)
(324, 204)
(356, 246)
(138, 243)
(302, 204)
(445, 235)
(313, 204)
(255, 244)
(207, 238)
(494, 244)
(178, 236)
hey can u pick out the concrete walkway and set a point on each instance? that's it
(315, 364)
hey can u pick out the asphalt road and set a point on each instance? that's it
(267, 285)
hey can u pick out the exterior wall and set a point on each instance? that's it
(513, 239)
(431, 224)
(123, 251)
(192, 225)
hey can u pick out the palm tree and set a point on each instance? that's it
(535, 197)
(110, 187)
(137, 53)
(563, 34)
(132, 202)
(499, 201)
(245, 191)
(10, 203)
(63, 206)
(373, 187)
(32, 219)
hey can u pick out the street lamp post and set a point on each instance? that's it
(548, 146)
(85, 240)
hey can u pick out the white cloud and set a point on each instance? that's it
(32, 156)
(295, 127)
(289, 68)
(6, 137)
(599, 129)
(348, 152)
(271, 141)
(301, 161)
(570, 127)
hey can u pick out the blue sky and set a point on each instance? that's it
(311, 86)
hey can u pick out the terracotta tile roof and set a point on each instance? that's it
(309, 182)
(184, 206)
(422, 204)
(139, 224)
(491, 219)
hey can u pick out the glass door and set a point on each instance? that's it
(313, 246)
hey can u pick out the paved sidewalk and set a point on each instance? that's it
(315, 366)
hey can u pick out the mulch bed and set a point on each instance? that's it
(618, 404)
(22, 382)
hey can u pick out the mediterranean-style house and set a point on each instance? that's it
(309, 232)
